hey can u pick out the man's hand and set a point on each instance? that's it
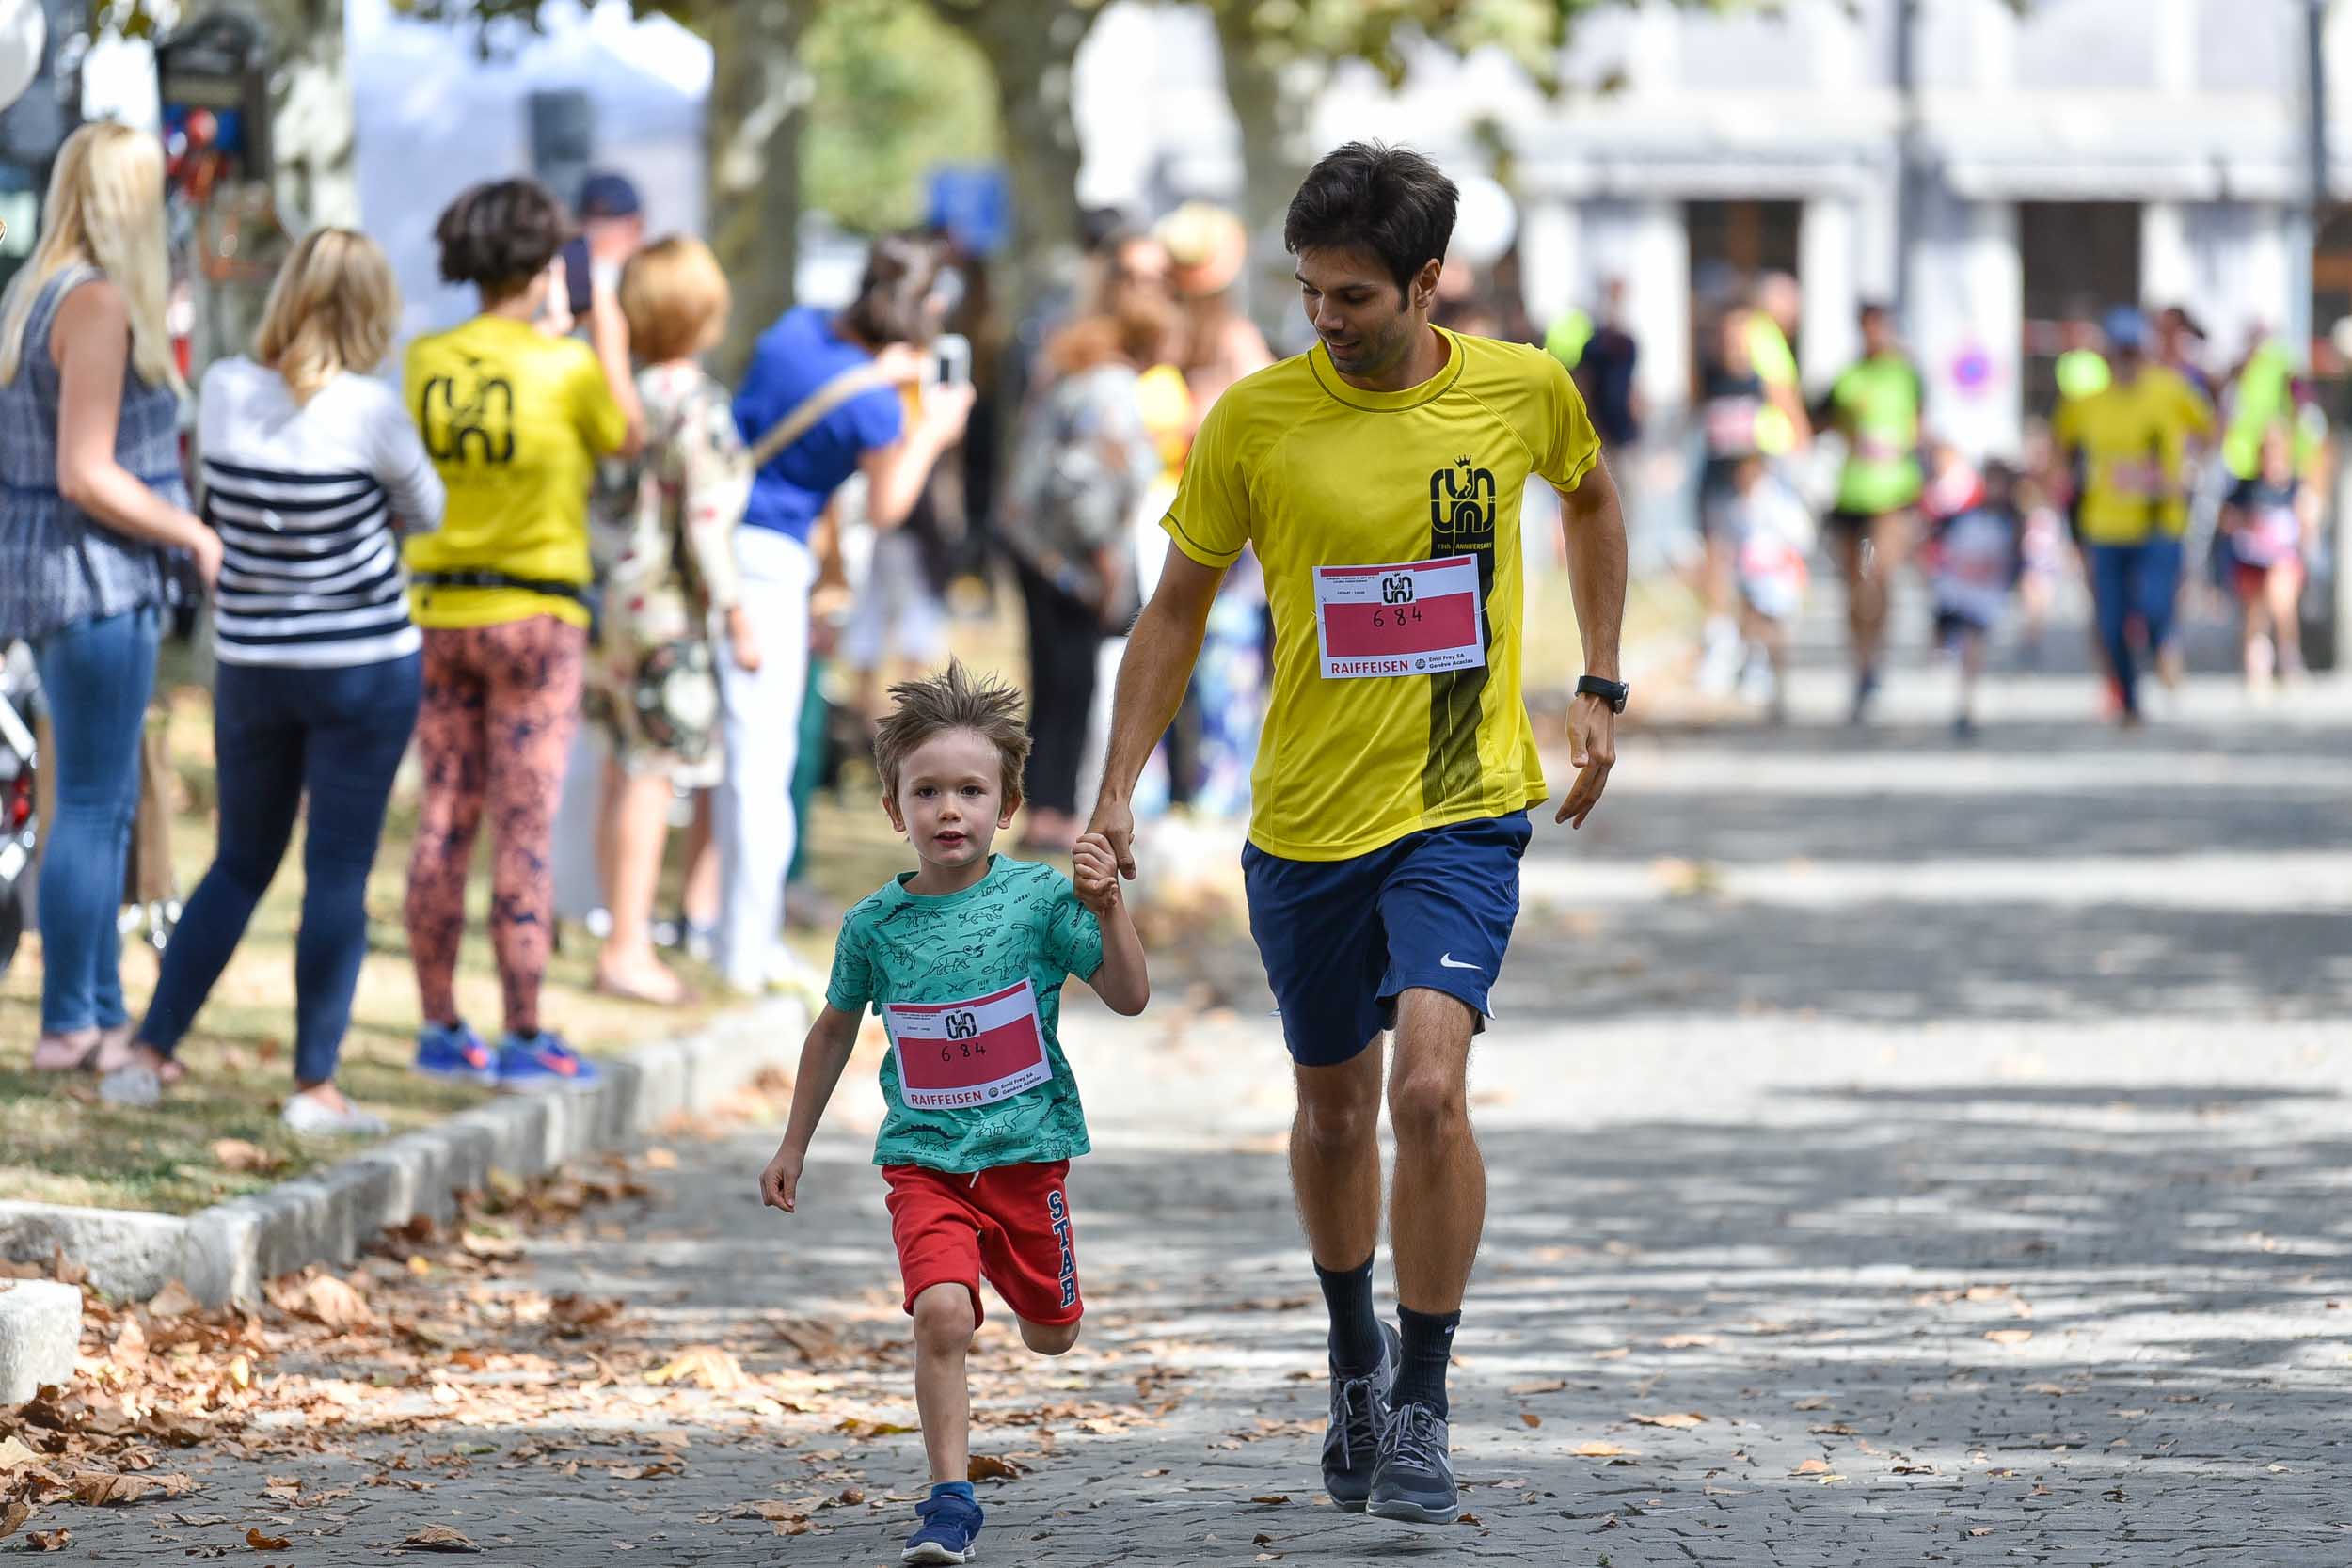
(1114, 823)
(1094, 871)
(780, 1184)
(1593, 750)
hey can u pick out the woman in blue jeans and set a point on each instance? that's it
(94, 500)
(309, 467)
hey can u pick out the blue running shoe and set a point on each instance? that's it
(542, 1061)
(1414, 1478)
(455, 1052)
(1360, 1414)
(950, 1527)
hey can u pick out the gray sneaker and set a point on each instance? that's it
(1359, 1411)
(1413, 1479)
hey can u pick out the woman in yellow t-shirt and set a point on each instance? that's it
(515, 415)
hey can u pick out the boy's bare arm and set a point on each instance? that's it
(823, 1056)
(1122, 981)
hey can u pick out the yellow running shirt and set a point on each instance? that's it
(1387, 524)
(515, 422)
(2134, 439)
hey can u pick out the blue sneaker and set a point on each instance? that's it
(455, 1052)
(542, 1061)
(950, 1527)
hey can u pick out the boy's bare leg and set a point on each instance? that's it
(1048, 1338)
(943, 1395)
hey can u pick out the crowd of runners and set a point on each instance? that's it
(2159, 479)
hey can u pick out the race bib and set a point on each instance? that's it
(959, 1053)
(1415, 618)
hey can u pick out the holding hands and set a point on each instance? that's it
(1094, 872)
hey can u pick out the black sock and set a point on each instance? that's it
(1428, 1345)
(1354, 1327)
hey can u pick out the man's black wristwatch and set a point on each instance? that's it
(1612, 692)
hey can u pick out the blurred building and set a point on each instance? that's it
(2089, 152)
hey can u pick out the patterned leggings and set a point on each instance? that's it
(499, 707)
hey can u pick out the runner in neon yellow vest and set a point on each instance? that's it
(1876, 407)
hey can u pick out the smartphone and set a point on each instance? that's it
(951, 360)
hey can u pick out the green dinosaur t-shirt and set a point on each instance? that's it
(969, 985)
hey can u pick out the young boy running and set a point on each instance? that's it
(964, 959)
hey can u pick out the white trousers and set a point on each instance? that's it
(762, 718)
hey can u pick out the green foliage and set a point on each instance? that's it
(896, 92)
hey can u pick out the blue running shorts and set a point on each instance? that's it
(1341, 940)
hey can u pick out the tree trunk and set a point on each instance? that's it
(758, 106)
(1272, 123)
(1031, 46)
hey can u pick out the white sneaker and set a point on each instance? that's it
(305, 1114)
(1720, 652)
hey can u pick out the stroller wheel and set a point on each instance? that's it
(11, 922)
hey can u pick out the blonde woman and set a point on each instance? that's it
(311, 471)
(671, 559)
(95, 504)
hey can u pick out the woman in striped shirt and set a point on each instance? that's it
(310, 470)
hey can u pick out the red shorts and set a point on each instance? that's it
(1010, 1225)
(2253, 582)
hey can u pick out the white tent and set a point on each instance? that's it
(435, 117)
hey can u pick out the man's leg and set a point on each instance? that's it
(1439, 1205)
(1890, 544)
(1335, 1175)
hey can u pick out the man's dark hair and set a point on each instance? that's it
(500, 234)
(1874, 309)
(1389, 201)
(900, 272)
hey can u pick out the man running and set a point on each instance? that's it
(1378, 476)
(1875, 406)
(2129, 443)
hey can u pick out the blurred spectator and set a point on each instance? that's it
(514, 415)
(1601, 357)
(1975, 558)
(1215, 343)
(612, 229)
(89, 458)
(669, 578)
(821, 401)
(1773, 535)
(1086, 457)
(311, 471)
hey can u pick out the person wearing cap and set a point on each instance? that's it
(1216, 345)
(2129, 444)
(611, 229)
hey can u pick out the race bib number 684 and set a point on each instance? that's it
(976, 1053)
(1413, 619)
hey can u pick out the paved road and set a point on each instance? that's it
(1962, 1135)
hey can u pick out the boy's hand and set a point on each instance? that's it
(1094, 871)
(780, 1184)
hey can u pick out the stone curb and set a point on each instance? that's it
(40, 1333)
(224, 1253)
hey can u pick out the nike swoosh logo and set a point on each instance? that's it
(1447, 961)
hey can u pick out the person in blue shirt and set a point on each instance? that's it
(827, 395)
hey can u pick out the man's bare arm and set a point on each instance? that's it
(1152, 680)
(1593, 521)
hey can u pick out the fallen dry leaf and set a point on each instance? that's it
(988, 1466)
(1981, 1529)
(1687, 1341)
(260, 1542)
(860, 1427)
(14, 1453)
(1813, 1468)
(439, 1538)
(2008, 1336)
(661, 1158)
(238, 1155)
(98, 1488)
(49, 1540)
(1681, 1419)
(1597, 1451)
(12, 1516)
(334, 1303)
(1272, 1500)
(1529, 1418)
(1549, 1385)
(172, 1301)
(710, 1366)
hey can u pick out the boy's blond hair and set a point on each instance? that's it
(954, 699)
